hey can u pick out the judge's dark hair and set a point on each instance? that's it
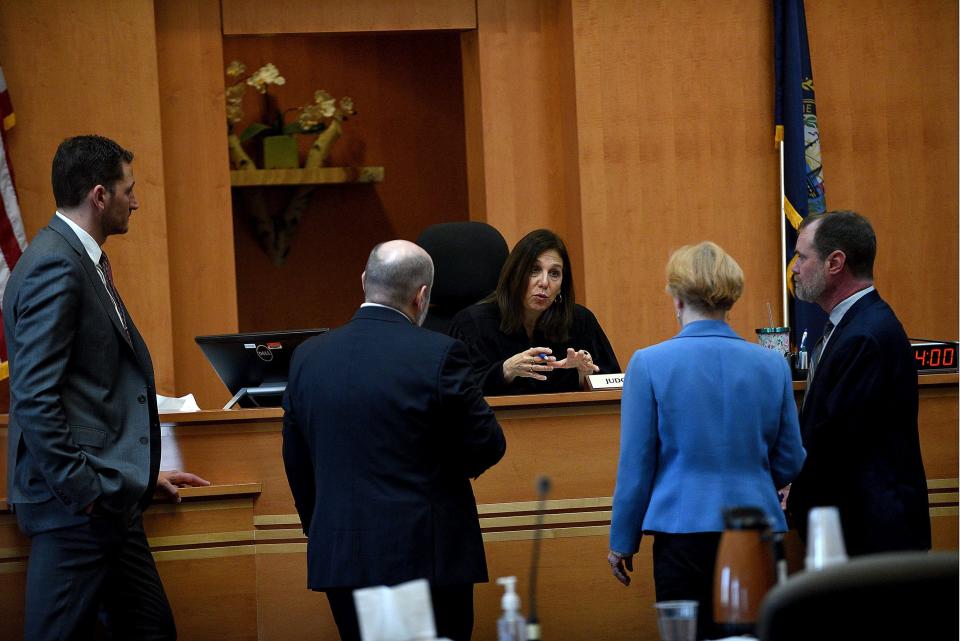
(849, 232)
(556, 321)
(83, 162)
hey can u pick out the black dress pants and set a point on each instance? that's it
(452, 611)
(103, 567)
(683, 566)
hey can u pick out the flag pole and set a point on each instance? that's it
(783, 245)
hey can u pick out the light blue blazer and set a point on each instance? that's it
(708, 421)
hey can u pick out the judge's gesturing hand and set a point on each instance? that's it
(582, 360)
(529, 364)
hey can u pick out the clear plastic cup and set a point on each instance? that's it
(677, 620)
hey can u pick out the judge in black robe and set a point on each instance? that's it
(530, 336)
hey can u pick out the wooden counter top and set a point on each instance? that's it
(496, 402)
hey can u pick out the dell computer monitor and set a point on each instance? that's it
(254, 366)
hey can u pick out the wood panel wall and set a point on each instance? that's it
(90, 66)
(630, 128)
(672, 138)
(323, 16)
(674, 117)
(519, 107)
(408, 92)
(886, 83)
(203, 288)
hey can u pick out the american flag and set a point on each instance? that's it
(13, 240)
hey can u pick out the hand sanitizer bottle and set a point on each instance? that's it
(511, 626)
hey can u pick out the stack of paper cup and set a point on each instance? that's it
(824, 539)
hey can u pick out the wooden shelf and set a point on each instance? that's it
(186, 493)
(218, 491)
(315, 176)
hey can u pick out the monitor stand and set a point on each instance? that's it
(263, 396)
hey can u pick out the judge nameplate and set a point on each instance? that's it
(605, 381)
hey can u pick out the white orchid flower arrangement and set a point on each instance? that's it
(314, 117)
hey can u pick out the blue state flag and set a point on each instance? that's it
(797, 131)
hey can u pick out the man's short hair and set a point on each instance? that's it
(849, 232)
(83, 162)
(393, 280)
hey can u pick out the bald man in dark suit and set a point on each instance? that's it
(383, 429)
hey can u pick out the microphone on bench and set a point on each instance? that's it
(533, 624)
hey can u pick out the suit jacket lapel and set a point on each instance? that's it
(835, 337)
(90, 269)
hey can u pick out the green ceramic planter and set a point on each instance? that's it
(280, 152)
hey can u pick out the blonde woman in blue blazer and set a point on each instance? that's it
(708, 421)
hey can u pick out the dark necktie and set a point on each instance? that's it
(818, 350)
(112, 290)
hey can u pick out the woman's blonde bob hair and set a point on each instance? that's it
(704, 276)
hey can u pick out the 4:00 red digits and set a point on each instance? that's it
(936, 357)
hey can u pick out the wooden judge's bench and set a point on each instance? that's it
(232, 555)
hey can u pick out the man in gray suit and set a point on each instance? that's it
(84, 438)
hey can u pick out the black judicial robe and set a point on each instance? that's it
(479, 327)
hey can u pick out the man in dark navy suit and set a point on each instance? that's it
(383, 429)
(859, 415)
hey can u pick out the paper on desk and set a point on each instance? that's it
(401, 613)
(183, 404)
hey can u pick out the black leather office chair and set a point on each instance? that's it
(902, 596)
(467, 258)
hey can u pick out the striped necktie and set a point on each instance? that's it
(818, 350)
(112, 290)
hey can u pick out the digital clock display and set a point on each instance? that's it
(935, 356)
